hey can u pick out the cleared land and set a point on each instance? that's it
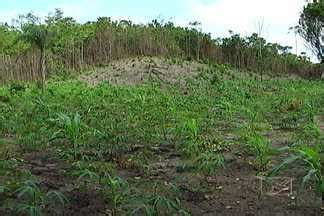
(158, 137)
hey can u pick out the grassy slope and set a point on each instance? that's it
(215, 113)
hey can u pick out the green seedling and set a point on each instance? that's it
(71, 129)
(115, 190)
(33, 201)
(312, 163)
(209, 162)
(262, 150)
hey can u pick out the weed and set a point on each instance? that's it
(209, 162)
(312, 163)
(260, 147)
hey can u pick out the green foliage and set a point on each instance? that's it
(261, 149)
(312, 163)
(70, 45)
(71, 129)
(116, 191)
(191, 145)
(32, 201)
(310, 133)
(311, 27)
(209, 162)
(106, 127)
(155, 204)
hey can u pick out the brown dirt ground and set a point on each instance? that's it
(233, 190)
(139, 70)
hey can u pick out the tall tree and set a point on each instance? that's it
(37, 34)
(311, 26)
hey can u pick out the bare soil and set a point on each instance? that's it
(136, 71)
(233, 190)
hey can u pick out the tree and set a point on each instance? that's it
(310, 27)
(197, 26)
(37, 34)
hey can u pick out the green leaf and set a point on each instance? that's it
(283, 165)
(57, 197)
(307, 177)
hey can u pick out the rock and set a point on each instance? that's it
(208, 197)
(219, 188)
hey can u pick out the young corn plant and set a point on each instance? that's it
(71, 129)
(191, 129)
(261, 148)
(209, 162)
(34, 201)
(155, 205)
(312, 163)
(115, 190)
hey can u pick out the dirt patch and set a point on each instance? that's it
(233, 190)
(51, 173)
(49, 170)
(320, 121)
(85, 203)
(139, 70)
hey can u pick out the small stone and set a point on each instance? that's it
(292, 197)
(208, 197)
(228, 207)
(137, 178)
(238, 202)
(237, 179)
(219, 188)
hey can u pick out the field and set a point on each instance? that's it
(196, 141)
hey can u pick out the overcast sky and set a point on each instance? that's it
(216, 16)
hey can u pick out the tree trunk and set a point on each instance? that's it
(42, 67)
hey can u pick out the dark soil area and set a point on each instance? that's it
(233, 190)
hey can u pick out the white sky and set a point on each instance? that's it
(244, 17)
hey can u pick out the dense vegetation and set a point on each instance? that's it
(99, 132)
(310, 27)
(198, 142)
(32, 49)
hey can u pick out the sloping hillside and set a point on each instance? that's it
(145, 144)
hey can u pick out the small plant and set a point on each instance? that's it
(312, 163)
(209, 162)
(191, 126)
(310, 133)
(34, 201)
(115, 190)
(260, 147)
(191, 146)
(71, 129)
(154, 205)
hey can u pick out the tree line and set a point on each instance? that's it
(34, 49)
